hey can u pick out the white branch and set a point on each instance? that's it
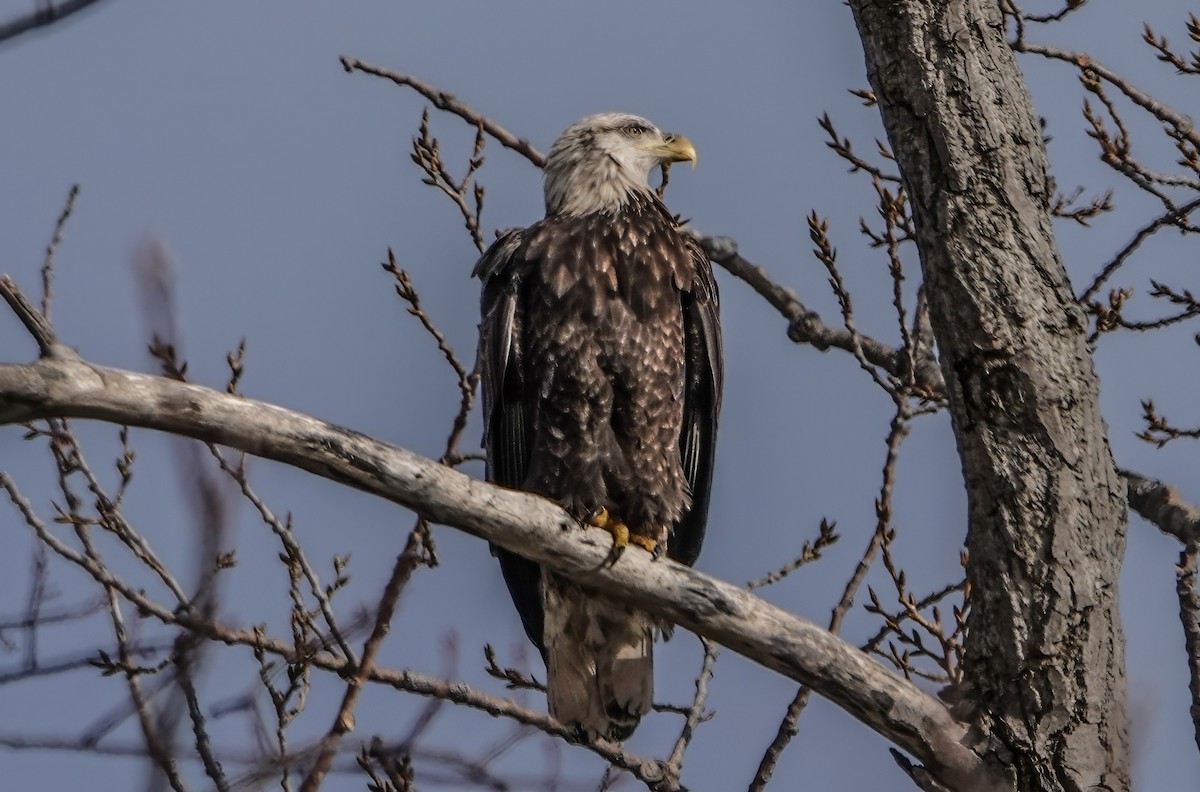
(64, 386)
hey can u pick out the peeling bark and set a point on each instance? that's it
(1045, 652)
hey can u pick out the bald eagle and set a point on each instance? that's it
(601, 371)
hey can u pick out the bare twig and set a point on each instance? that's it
(805, 326)
(446, 101)
(1179, 122)
(810, 551)
(1167, 55)
(291, 550)
(52, 248)
(204, 748)
(44, 14)
(1163, 220)
(843, 148)
(427, 155)
(44, 617)
(827, 255)
(33, 607)
(408, 293)
(1064, 206)
(695, 714)
(76, 662)
(892, 622)
(1159, 430)
(343, 722)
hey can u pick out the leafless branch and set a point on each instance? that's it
(827, 255)
(519, 522)
(204, 748)
(1159, 430)
(1066, 206)
(1179, 123)
(810, 551)
(343, 722)
(428, 156)
(1068, 7)
(1167, 55)
(695, 714)
(1162, 221)
(446, 101)
(1162, 506)
(467, 384)
(31, 317)
(52, 248)
(44, 14)
(806, 326)
(843, 148)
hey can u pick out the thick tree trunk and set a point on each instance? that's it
(1045, 653)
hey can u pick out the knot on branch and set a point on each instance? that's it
(806, 328)
(719, 248)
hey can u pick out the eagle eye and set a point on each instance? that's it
(635, 130)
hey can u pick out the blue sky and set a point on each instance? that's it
(278, 181)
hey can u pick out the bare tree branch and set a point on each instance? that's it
(444, 100)
(1180, 123)
(30, 316)
(1161, 505)
(805, 326)
(42, 15)
(519, 522)
(52, 248)
(343, 722)
(1106, 272)
(695, 713)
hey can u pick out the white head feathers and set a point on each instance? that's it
(599, 162)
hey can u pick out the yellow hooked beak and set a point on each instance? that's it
(677, 148)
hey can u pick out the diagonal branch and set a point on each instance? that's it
(805, 325)
(526, 524)
(33, 319)
(1161, 505)
(1180, 123)
(444, 100)
(43, 15)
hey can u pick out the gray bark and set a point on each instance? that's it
(1045, 652)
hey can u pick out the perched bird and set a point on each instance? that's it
(600, 349)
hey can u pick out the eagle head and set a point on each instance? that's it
(598, 163)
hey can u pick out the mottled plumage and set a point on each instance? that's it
(601, 365)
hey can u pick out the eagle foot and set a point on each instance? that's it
(623, 537)
(619, 530)
(651, 546)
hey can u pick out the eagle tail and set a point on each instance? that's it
(599, 660)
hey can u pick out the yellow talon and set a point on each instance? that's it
(622, 537)
(646, 543)
(619, 530)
